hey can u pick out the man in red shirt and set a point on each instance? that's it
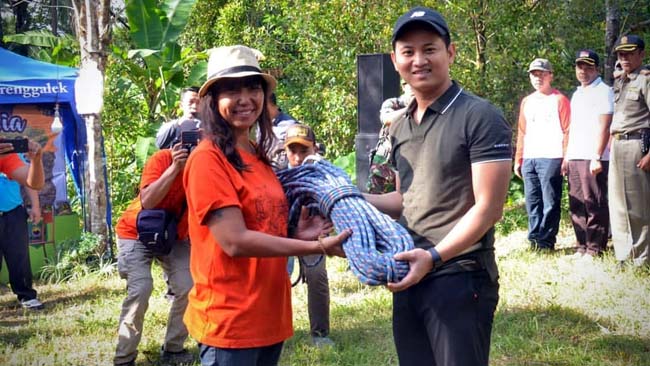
(14, 241)
(31, 175)
(161, 187)
(542, 138)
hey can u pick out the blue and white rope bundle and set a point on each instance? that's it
(375, 236)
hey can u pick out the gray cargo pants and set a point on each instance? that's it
(134, 265)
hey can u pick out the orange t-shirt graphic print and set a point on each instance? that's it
(245, 301)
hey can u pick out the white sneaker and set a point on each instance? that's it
(576, 255)
(322, 342)
(587, 258)
(32, 304)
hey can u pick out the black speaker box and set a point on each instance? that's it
(377, 81)
(363, 143)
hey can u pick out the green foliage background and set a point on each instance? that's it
(311, 46)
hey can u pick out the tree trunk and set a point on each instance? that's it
(477, 15)
(612, 29)
(21, 13)
(54, 17)
(2, 33)
(480, 42)
(93, 31)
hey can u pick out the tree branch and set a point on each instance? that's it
(641, 25)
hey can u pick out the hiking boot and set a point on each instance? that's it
(130, 363)
(183, 357)
(32, 304)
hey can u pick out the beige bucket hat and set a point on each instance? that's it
(235, 62)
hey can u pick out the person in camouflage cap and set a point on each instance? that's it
(381, 177)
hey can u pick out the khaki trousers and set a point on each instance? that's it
(134, 265)
(629, 202)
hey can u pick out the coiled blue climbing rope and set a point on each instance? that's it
(375, 236)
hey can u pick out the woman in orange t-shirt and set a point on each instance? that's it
(240, 306)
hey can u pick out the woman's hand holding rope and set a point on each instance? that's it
(318, 228)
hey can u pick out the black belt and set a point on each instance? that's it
(2, 213)
(456, 266)
(634, 135)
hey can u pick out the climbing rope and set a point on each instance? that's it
(375, 236)
(303, 265)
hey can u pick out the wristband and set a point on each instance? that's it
(321, 245)
(435, 256)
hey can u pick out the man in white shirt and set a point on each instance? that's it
(587, 158)
(543, 131)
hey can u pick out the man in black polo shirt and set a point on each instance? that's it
(452, 152)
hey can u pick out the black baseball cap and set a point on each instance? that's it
(588, 57)
(423, 15)
(628, 43)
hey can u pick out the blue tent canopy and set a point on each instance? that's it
(27, 81)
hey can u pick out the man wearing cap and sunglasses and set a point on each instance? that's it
(542, 136)
(452, 152)
(629, 174)
(587, 158)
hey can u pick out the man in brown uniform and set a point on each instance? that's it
(629, 174)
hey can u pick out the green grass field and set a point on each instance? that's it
(553, 311)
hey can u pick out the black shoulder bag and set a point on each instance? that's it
(157, 229)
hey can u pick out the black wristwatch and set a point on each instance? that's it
(437, 260)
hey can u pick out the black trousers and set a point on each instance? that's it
(445, 320)
(14, 246)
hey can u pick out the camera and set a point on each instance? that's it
(189, 139)
(20, 144)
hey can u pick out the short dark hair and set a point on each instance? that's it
(189, 89)
(273, 99)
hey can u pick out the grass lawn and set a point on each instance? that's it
(553, 311)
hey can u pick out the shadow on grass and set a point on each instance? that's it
(152, 355)
(559, 252)
(557, 336)
(361, 338)
(18, 325)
